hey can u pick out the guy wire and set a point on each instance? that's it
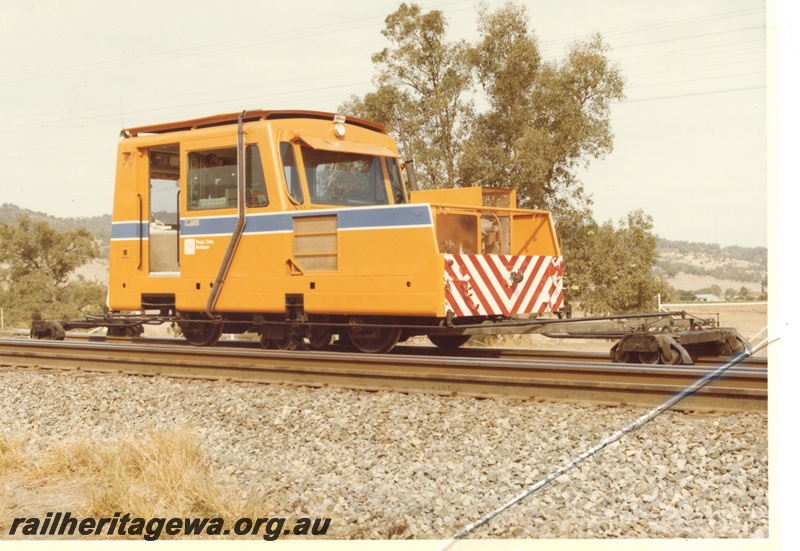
(638, 423)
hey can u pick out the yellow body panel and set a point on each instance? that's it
(343, 257)
(465, 196)
(380, 270)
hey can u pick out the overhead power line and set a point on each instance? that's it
(113, 111)
(709, 93)
(668, 24)
(206, 49)
(687, 81)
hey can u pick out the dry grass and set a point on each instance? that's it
(12, 454)
(158, 474)
(12, 458)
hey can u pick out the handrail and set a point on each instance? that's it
(216, 288)
(141, 232)
(473, 208)
(178, 233)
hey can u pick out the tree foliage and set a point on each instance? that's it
(36, 265)
(421, 83)
(545, 119)
(609, 266)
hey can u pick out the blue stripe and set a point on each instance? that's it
(208, 226)
(349, 219)
(268, 223)
(411, 215)
(128, 230)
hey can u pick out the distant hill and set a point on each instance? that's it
(98, 226)
(694, 266)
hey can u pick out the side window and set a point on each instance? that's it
(254, 173)
(396, 180)
(212, 179)
(376, 192)
(290, 172)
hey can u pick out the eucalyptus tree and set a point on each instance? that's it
(609, 266)
(37, 265)
(544, 119)
(422, 80)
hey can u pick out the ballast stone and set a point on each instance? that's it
(346, 454)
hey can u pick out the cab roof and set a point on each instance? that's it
(249, 116)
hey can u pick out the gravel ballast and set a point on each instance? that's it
(423, 466)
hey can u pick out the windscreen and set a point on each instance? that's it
(336, 178)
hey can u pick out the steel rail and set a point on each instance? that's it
(411, 349)
(561, 355)
(743, 389)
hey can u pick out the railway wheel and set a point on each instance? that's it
(730, 345)
(289, 342)
(373, 335)
(320, 337)
(283, 338)
(266, 342)
(199, 330)
(125, 330)
(620, 356)
(449, 342)
(648, 358)
(670, 357)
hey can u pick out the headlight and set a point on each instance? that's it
(339, 129)
(338, 126)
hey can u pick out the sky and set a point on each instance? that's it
(691, 137)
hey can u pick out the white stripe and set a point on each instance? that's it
(202, 235)
(543, 297)
(245, 234)
(460, 303)
(405, 226)
(492, 305)
(529, 302)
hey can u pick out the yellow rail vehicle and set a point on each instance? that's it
(298, 225)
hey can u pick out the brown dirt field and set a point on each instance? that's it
(689, 282)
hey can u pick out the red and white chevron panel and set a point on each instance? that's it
(502, 285)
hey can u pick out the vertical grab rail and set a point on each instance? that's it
(216, 289)
(178, 232)
(141, 231)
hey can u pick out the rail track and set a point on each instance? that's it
(402, 349)
(572, 377)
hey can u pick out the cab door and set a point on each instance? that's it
(163, 225)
